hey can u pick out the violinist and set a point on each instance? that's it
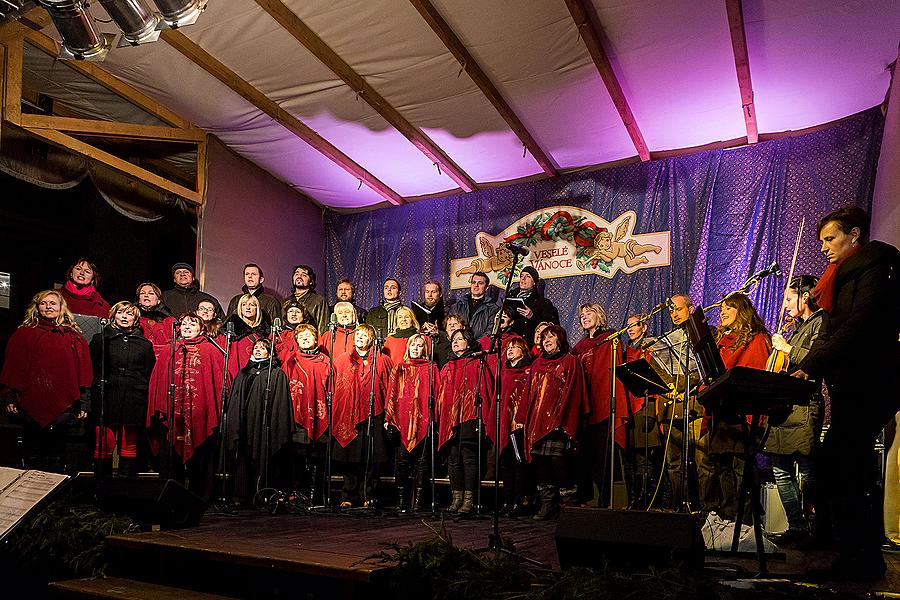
(791, 443)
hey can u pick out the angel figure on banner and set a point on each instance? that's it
(497, 260)
(608, 248)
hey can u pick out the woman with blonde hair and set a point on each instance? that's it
(45, 379)
(249, 325)
(405, 326)
(156, 319)
(345, 321)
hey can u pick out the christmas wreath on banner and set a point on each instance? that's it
(562, 226)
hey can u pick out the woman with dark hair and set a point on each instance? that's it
(457, 420)
(346, 320)
(442, 352)
(156, 320)
(293, 314)
(406, 411)
(198, 369)
(45, 380)
(307, 373)
(250, 325)
(791, 444)
(857, 355)
(556, 401)
(743, 341)
(514, 379)
(206, 310)
(250, 410)
(507, 331)
(126, 358)
(357, 383)
(80, 290)
(534, 307)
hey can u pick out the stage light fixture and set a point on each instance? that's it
(138, 23)
(80, 36)
(180, 13)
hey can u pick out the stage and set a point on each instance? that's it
(342, 555)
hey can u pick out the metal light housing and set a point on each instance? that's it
(138, 23)
(180, 13)
(80, 36)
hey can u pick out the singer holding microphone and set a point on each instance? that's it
(123, 361)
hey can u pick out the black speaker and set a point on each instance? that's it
(590, 537)
(163, 502)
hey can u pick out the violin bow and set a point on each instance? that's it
(791, 273)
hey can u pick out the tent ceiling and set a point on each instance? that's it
(811, 62)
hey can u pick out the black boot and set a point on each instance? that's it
(128, 467)
(549, 495)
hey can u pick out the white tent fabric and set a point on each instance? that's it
(811, 62)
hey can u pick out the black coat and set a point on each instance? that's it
(271, 305)
(181, 300)
(543, 310)
(857, 352)
(129, 361)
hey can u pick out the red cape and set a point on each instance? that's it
(199, 374)
(407, 401)
(754, 355)
(352, 386)
(556, 398)
(343, 341)
(158, 332)
(456, 401)
(505, 339)
(46, 366)
(596, 362)
(89, 303)
(513, 398)
(307, 375)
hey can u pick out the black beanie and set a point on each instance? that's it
(182, 265)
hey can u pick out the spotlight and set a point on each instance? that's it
(180, 13)
(137, 22)
(76, 26)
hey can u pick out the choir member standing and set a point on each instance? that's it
(442, 350)
(341, 340)
(858, 356)
(253, 284)
(304, 281)
(458, 413)
(791, 444)
(743, 341)
(80, 290)
(156, 320)
(362, 375)
(556, 401)
(122, 354)
(536, 307)
(185, 430)
(381, 317)
(45, 380)
(507, 331)
(405, 326)
(412, 379)
(292, 314)
(477, 307)
(250, 325)
(343, 292)
(429, 312)
(186, 294)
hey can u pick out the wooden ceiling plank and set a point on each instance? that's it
(214, 67)
(12, 82)
(459, 51)
(37, 17)
(89, 152)
(110, 82)
(303, 34)
(742, 65)
(98, 128)
(589, 30)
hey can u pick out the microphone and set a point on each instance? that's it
(229, 330)
(517, 249)
(667, 303)
(276, 324)
(773, 269)
(104, 322)
(332, 324)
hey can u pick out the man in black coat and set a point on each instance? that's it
(304, 279)
(381, 317)
(859, 357)
(530, 304)
(344, 293)
(186, 294)
(429, 311)
(479, 307)
(253, 284)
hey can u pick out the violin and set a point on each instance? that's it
(780, 361)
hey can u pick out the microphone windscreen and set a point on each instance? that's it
(229, 327)
(277, 323)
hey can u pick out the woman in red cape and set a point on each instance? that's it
(250, 325)
(595, 352)
(346, 320)
(405, 326)
(293, 313)
(198, 368)
(80, 290)
(307, 373)
(507, 334)
(556, 401)
(514, 379)
(156, 319)
(406, 413)
(743, 341)
(44, 382)
(457, 420)
(358, 373)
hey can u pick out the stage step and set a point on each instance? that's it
(117, 588)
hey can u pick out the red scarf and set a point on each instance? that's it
(824, 290)
(83, 291)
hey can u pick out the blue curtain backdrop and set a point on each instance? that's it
(730, 213)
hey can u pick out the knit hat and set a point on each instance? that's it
(533, 272)
(182, 265)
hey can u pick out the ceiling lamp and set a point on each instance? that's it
(80, 37)
(137, 22)
(180, 13)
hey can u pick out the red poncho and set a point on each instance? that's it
(85, 301)
(596, 362)
(754, 355)
(199, 375)
(46, 365)
(307, 375)
(158, 332)
(513, 398)
(556, 398)
(352, 387)
(635, 403)
(241, 351)
(456, 401)
(505, 339)
(343, 341)
(407, 401)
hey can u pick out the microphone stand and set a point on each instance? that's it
(223, 501)
(267, 419)
(479, 428)
(101, 432)
(329, 395)
(370, 425)
(169, 454)
(431, 423)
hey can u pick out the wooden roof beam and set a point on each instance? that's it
(214, 67)
(742, 64)
(446, 34)
(34, 19)
(99, 128)
(303, 34)
(589, 29)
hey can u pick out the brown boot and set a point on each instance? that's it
(468, 503)
(457, 501)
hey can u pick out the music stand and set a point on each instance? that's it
(703, 343)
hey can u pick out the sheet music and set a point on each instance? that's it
(20, 491)
(670, 352)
